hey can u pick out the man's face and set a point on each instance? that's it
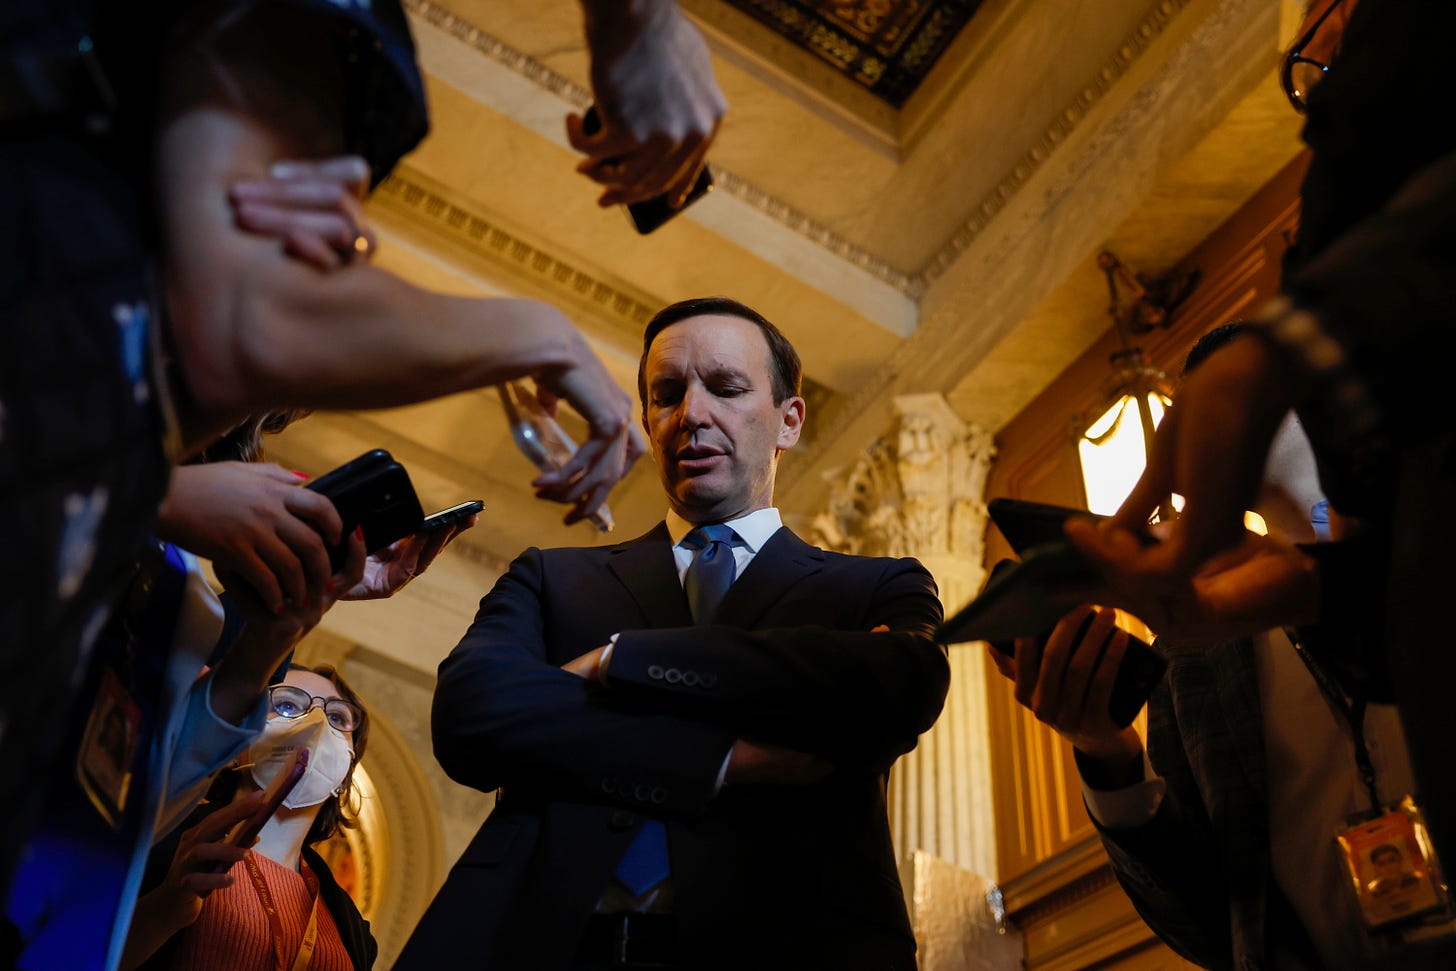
(711, 420)
(1387, 864)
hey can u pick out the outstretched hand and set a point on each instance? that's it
(660, 105)
(1259, 583)
(1211, 449)
(389, 570)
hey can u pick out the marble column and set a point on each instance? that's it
(919, 490)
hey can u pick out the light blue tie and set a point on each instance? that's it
(645, 864)
(711, 573)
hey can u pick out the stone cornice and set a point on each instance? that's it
(734, 185)
(436, 207)
(1154, 22)
(912, 285)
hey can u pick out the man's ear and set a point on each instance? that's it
(792, 424)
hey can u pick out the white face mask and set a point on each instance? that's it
(329, 756)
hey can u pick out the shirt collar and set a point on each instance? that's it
(754, 529)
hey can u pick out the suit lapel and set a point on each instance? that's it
(646, 568)
(784, 561)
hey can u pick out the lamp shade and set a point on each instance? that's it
(1114, 449)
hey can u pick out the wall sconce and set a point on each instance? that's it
(1113, 448)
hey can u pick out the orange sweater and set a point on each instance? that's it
(233, 933)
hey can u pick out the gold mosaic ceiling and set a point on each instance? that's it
(887, 46)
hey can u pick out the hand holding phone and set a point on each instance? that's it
(283, 783)
(1015, 603)
(372, 492)
(542, 440)
(457, 513)
(652, 213)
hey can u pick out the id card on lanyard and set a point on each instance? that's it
(1386, 852)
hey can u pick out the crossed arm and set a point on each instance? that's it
(506, 715)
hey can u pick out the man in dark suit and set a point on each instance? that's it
(691, 730)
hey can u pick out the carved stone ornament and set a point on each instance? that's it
(918, 490)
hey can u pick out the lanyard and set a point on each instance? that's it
(1351, 707)
(310, 932)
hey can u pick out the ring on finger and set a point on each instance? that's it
(359, 246)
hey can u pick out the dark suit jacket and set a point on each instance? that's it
(762, 876)
(1199, 871)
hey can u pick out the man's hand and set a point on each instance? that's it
(1257, 584)
(660, 105)
(253, 520)
(387, 572)
(1210, 449)
(589, 666)
(757, 763)
(313, 206)
(1067, 684)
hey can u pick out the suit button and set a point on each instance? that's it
(659, 796)
(621, 819)
(641, 792)
(609, 786)
(655, 672)
(691, 679)
(673, 676)
(710, 681)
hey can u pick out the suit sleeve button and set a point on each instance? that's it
(710, 681)
(641, 792)
(659, 796)
(673, 676)
(691, 679)
(655, 672)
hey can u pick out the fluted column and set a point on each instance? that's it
(919, 490)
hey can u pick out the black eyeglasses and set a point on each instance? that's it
(1299, 74)
(288, 701)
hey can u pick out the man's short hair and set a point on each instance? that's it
(785, 370)
(1212, 341)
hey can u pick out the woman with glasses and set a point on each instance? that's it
(209, 912)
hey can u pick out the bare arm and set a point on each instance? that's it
(254, 329)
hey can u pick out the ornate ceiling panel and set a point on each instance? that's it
(887, 46)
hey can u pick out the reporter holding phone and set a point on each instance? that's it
(1223, 830)
(199, 918)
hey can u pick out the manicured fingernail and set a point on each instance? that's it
(281, 606)
(301, 475)
(359, 531)
(329, 588)
(283, 170)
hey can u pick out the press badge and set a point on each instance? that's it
(1393, 870)
(108, 749)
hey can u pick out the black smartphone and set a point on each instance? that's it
(649, 215)
(1011, 601)
(652, 213)
(1017, 600)
(1027, 524)
(374, 492)
(451, 516)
